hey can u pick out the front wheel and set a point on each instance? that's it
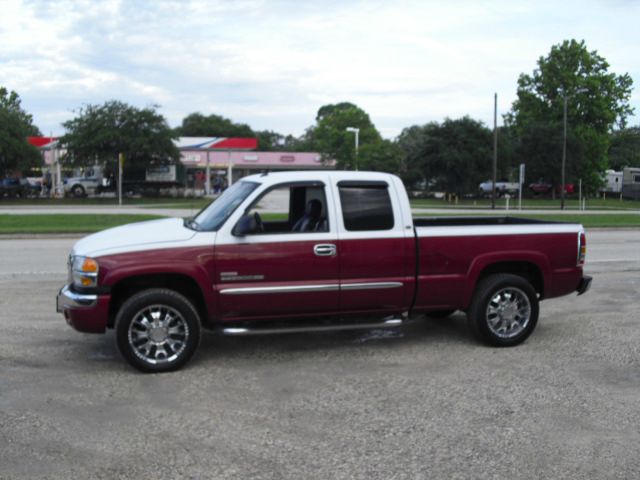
(504, 310)
(157, 330)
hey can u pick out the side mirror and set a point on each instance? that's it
(245, 226)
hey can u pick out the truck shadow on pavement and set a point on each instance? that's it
(424, 331)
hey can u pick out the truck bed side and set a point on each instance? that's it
(455, 253)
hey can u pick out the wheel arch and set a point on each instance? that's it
(183, 284)
(530, 271)
(531, 266)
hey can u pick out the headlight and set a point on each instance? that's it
(84, 271)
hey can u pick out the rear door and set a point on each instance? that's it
(279, 272)
(376, 248)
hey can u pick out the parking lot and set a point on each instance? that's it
(426, 401)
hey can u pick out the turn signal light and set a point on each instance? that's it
(89, 265)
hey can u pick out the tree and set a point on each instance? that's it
(199, 125)
(269, 140)
(454, 156)
(330, 136)
(16, 125)
(596, 99)
(624, 149)
(412, 141)
(101, 132)
(457, 155)
(383, 156)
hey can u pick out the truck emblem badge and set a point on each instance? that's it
(234, 277)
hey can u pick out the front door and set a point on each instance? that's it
(287, 266)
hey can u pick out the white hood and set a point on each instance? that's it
(135, 236)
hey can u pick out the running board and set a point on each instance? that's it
(238, 331)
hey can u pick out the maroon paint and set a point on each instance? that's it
(280, 264)
(90, 320)
(193, 262)
(450, 266)
(377, 260)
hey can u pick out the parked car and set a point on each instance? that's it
(544, 188)
(540, 188)
(11, 187)
(313, 251)
(502, 187)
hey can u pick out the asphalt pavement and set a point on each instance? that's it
(422, 402)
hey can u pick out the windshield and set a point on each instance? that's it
(213, 216)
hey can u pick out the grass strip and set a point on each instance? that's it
(66, 223)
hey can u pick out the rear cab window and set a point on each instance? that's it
(366, 206)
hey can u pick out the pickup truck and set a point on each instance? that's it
(313, 251)
(502, 187)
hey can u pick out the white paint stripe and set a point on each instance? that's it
(487, 230)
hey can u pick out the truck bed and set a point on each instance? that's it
(454, 252)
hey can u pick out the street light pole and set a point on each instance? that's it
(357, 132)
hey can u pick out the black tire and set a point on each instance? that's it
(440, 313)
(517, 319)
(130, 331)
(78, 191)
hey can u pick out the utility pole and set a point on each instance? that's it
(495, 150)
(564, 152)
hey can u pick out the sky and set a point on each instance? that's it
(272, 64)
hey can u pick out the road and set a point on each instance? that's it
(423, 402)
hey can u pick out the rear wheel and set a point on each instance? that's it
(504, 310)
(157, 330)
(78, 191)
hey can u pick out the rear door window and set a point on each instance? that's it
(366, 206)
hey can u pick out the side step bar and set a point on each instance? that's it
(238, 331)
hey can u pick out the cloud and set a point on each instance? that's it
(272, 64)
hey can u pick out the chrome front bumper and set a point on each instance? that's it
(69, 299)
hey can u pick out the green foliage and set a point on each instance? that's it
(454, 156)
(16, 125)
(597, 100)
(268, 141)
(458, 155)
(383, 156)
(330, 136)
(624, 148)
(101, 132)
(199, 125)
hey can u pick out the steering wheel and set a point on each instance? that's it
(259, 224)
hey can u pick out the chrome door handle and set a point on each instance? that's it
(324, 249)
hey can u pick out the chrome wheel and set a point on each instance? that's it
(508, 312)
(158, 334)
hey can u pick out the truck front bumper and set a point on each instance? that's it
(84, 312)
(584, 285)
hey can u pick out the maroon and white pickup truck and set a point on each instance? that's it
(309, 251)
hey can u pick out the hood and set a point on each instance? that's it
(134, 236)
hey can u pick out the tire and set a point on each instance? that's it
(170, 343)
(78, 191)
(504, 310)
(440, 313)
